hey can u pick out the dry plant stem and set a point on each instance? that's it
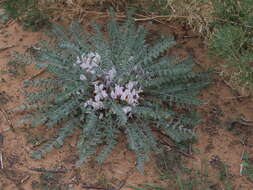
(173, 146)
(241, 165)
(245, 123)
(243, 151)
(241, 169)
(25, 179)
(167, 17)
(94, 187)
(246, 120)
(37, 74)
(183, 153)
(235, 92)
(1, 148)
(238, 97)
(1, 160)
(124, 181)
(7, 24)
(45, 170)
(5, 48)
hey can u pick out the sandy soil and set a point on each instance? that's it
(214, 141)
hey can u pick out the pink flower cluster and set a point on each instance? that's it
(128, 93)
(88, 62)
(100, 95)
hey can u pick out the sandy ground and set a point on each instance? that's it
(214, 141)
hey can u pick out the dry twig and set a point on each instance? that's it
(173, 146)
(98, 188)
(246, 120)
(25, 179)
(238, 97)
(1, 148)
(45, 170)
(123, 182)
(37, 74)
(7, 47)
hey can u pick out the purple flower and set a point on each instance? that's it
(127, 109)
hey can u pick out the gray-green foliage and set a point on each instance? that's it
(169, 90)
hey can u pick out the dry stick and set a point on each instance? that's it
(246, 120)
(7, 24)
(94, 187)
(183, 153)
(45, 170)
(241, 169)
(167, 144)
(238, 97)
(231, 88)
(25, 179)
(37, 74)
(1, 160)
(1, 148)
(5, 48)
(241, 165)
(123, 182)
(146, 18)
(242, 123)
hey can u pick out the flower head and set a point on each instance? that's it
(127, 109)
(89, 61)
(111, 74)
(104, 88)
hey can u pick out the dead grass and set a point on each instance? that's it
(196, 13)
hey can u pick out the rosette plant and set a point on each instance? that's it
(107, 84)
